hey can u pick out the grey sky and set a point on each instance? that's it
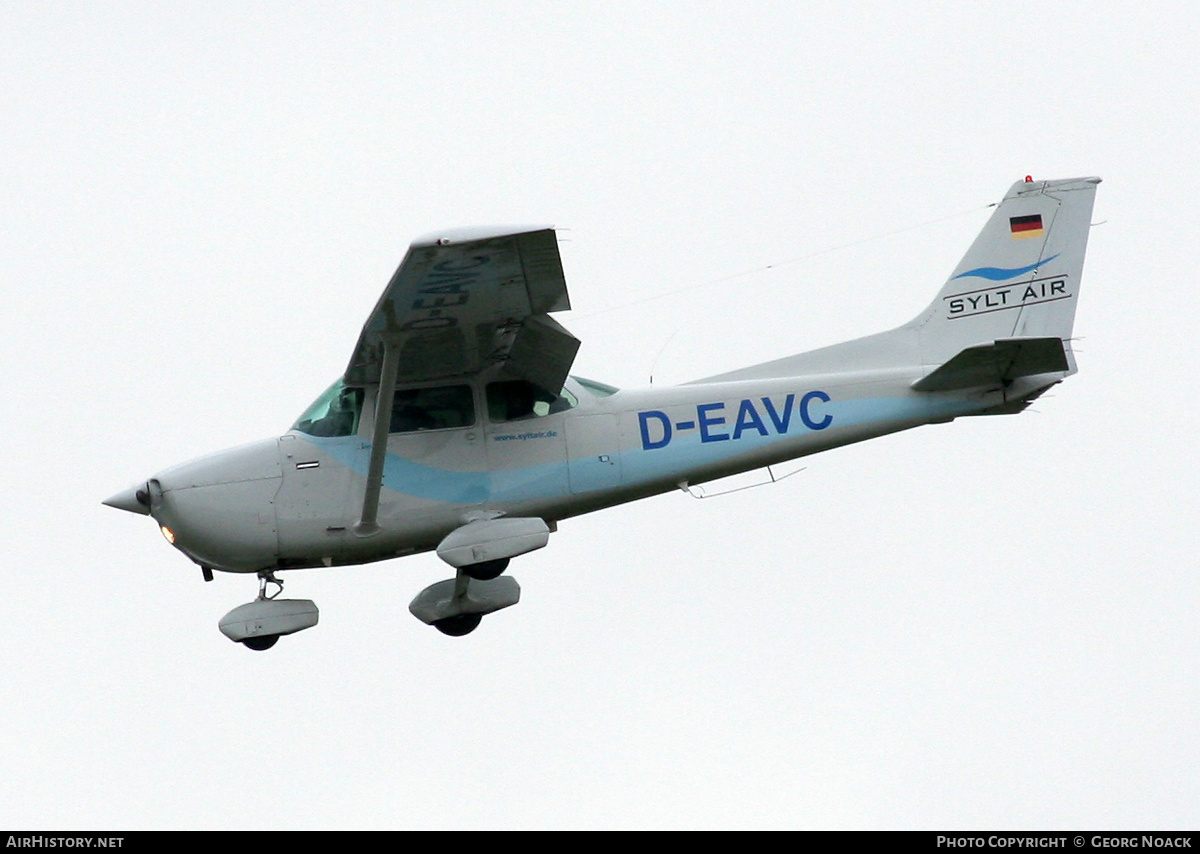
(989, 623)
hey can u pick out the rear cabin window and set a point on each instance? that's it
(514, 400)
(434, 408)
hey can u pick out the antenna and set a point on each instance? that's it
(654, 364)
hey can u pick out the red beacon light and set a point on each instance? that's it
(1028, 179)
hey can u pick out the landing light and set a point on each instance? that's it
(166, 532)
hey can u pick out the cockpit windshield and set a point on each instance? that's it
(334, 413)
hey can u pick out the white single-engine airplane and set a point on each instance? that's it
(457, 426)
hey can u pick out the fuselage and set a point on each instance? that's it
(293, 501)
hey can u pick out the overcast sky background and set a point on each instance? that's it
(991, 623)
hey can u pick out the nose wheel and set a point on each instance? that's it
(258, 625)
(261, 643)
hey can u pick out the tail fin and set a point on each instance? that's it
(1021, 276)
(1006, 311)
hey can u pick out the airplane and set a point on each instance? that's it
(458, 428)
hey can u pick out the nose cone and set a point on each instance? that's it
(136, 499)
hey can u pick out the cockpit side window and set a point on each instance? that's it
(334, 413)
(513, 400)
(434, 408)
(597, 388)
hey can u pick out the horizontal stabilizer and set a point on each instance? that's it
(999, 362)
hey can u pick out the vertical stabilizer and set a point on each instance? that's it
(1021, 276)
(1012, 297)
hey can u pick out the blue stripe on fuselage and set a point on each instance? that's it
(685, 452)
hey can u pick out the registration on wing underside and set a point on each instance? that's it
(1004, 297)
(452, 308)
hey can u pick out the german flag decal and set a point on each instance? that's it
(1026, 226)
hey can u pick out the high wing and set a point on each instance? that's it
(460, 302)
(465, 299)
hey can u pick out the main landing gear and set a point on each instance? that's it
(456, 606)
(457, 626)
(258, 625)
(487, 570)
(479, 551)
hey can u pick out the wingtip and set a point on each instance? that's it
(468, 234)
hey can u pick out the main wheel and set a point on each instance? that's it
(261, 642)
(487, 570)
(457, 626)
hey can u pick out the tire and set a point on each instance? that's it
(457, 626)
(261, 643)
(487, 570)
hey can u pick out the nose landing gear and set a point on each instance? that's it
(258, 625)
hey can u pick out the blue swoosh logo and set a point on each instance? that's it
(999, 274)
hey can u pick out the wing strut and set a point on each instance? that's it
(367, 524)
